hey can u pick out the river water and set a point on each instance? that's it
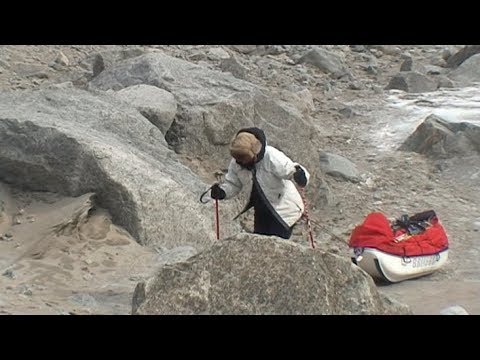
(405, 111)
(395, 120)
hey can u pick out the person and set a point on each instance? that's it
(276, 201)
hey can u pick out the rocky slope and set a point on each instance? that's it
(74, 120)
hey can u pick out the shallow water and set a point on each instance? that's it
(403, 112)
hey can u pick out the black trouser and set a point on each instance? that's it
(267, 224)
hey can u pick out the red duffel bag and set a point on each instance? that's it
(420, 234)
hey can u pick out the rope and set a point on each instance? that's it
(307, 218)
(328, 231)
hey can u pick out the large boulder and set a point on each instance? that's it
(339, 167)
(438, 138)
(327, 61)
(468, 73)
(234, 67)
(73, 142)
(213, 106)
(104, 59)
(254, 274)
(458, 58)
(157, 105)
(96, 62)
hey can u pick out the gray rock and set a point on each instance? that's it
(438, 62)
(358, 48)
(9, 274)
(412, 82)
(444, 82)
(253, 274)
(389, 49)
(434, 70)
(217, 53)
(61, 59)
(275, 49)
(197, 56)
(73, 142)
(468, 72)
(355, 85)
(339, 167)
(326, 61)
(157, 105)
(372, 70)
(302, 99)
(457, 59)
(98, 64)
(476, 226)
(438, 138)
(409, 65)
(233, 66)
(347, 112)
(446, 54)
(103, 60)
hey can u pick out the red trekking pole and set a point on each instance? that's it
(218, 175)
(217, 224)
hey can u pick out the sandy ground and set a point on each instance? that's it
(427, 297)
(64, 256)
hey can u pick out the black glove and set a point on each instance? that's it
(217, 192)
(300, 177)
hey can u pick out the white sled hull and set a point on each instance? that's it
(393, 268)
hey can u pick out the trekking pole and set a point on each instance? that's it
(218, 176)
(217, 224)
(307, 218)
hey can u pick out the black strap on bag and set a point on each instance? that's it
(415, 224)
(424, 216)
